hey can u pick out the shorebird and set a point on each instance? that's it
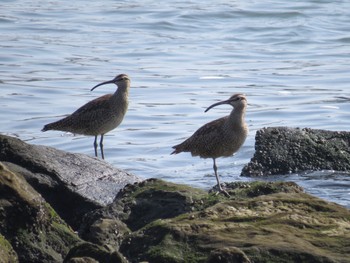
(219, 138)
(99, 116)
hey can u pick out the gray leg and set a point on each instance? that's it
(101, 147)
(217, 179)
(95, 145)
(216, 173)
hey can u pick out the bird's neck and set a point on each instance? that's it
(122, 93)
(236, 118)
(120, 99)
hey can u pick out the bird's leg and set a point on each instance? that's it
(216, 174)
(95, 145)
(101, 147)
(221, 190)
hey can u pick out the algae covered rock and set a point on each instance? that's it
(29, 224)
(31, 231)
(136, 206)
(158, 221)
(227, 255)
(7, 253)
(261, 222)
(283, 150)
(91, 253)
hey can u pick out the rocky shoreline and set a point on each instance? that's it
(61, 207)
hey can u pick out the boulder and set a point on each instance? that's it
(283, 150)
(31, 229)
(72, 183)
(134, 207)
(91, 253)
(260, 222)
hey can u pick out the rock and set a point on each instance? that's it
(36, 233)
(72, 183)
(82, 260)
(260, 222)
(91, 253)
(228, 255)
(157, 221)
(7, 253)
(136, 206)
(31, 231)
(282, 150)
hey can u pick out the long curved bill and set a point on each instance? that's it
(217, 104)
(103, 83)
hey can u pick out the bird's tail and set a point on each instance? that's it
(177, 150)
(47, 127)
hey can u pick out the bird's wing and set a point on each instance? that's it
(84, 119)
(203, 139)
(210, 129)
(98, 104)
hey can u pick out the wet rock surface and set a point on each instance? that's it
(283, 150)
(72, 183)
(157, 221)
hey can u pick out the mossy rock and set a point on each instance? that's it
(7, 254)
(29, 224)
(260, 222)
(136, 206)
(252, 189)
(152, 199)
(88, 252)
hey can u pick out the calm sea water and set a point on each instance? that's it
(291, 59)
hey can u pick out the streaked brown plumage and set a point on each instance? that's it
(98, 116)
(219, 138)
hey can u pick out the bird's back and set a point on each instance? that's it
(214, 139)
(204, 142)
(93, 118)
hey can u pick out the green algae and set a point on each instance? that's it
(7, 254)
(260, 222)
(31, 225)
(93, 251)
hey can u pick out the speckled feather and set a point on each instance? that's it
(88, 119)
(221, 137)
(97, 116)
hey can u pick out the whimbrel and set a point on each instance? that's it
(99, 116)
(219, 138)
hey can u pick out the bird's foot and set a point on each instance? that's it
(219, 190)
(223, 191)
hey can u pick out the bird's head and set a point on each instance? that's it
(118, 80)
(236, 101)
